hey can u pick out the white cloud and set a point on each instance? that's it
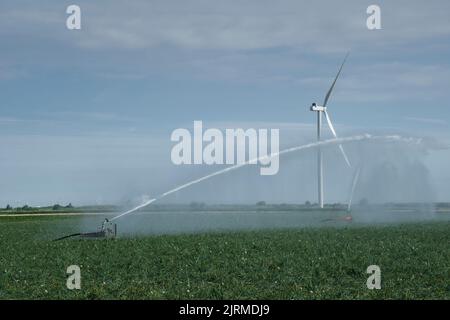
(431, 121)
(322, 26)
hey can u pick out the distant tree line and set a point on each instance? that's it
(30, 208)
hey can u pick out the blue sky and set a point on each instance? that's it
(86, 115)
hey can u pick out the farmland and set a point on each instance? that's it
(327, 262)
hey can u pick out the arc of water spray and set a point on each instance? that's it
(352, 190)
(266, 157)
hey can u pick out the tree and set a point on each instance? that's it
(261, 203)
(8, 207)
(197, 205)
(307, 204)
(56, 207)
(364, 202)
(69, 206)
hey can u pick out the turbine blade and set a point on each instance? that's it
(335, 135)
(334, 82)
(330, 124)
(345, 156)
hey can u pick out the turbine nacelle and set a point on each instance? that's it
(315, 107)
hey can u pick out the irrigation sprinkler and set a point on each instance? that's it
(108, 230)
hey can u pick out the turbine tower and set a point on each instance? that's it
(320, 110)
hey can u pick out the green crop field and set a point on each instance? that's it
(303, 263)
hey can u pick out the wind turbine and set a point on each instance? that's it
(320, 110)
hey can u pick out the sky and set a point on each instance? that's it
(86, 115)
